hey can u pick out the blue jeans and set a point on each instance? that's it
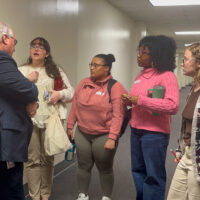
(148, 155)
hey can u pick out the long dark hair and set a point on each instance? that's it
(162, 50)
(50, 66)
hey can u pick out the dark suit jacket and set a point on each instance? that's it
(16, 92)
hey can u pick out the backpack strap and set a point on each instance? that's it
(111, 82)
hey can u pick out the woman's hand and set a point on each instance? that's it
(70, 133)
(176, 160)
(33, 76)
(129, 99)
(134, 99)
(125, 98)
(54, 97)
(110, 144)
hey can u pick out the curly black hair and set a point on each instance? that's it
(162, 51)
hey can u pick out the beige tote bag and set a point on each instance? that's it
(56, 140)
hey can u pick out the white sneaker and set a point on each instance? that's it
(105, 198)
(82, 196)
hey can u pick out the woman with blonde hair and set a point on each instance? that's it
(185, 184)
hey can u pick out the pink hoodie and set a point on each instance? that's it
(142, 117)
(93, 112)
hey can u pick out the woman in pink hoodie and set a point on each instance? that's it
(99, 117)
(150, 119)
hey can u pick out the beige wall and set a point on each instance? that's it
(94, 26)
(32, 18)
(75, 38)
(103, 29)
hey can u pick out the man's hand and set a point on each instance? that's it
(33, 76)
(32, 109)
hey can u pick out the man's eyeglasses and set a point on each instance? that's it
(95, 65)
(15, 41)
(37, 47)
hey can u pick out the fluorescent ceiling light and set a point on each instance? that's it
(114, 34)
(68, 6)
(174, 2)
(186, 45)
(188, 33)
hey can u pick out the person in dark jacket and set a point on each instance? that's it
(18, 103)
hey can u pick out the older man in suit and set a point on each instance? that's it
(18, 98)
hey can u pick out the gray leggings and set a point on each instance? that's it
(90, 150)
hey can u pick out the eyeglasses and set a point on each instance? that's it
(37, 47)
(15, 41)
(186, 59)
(95, 65)
(142, 53)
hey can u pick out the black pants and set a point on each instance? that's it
(11, 182)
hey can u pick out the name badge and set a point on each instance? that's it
(100, 93)
(10, 165)
(137, 81)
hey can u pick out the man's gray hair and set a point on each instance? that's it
(5, 30)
